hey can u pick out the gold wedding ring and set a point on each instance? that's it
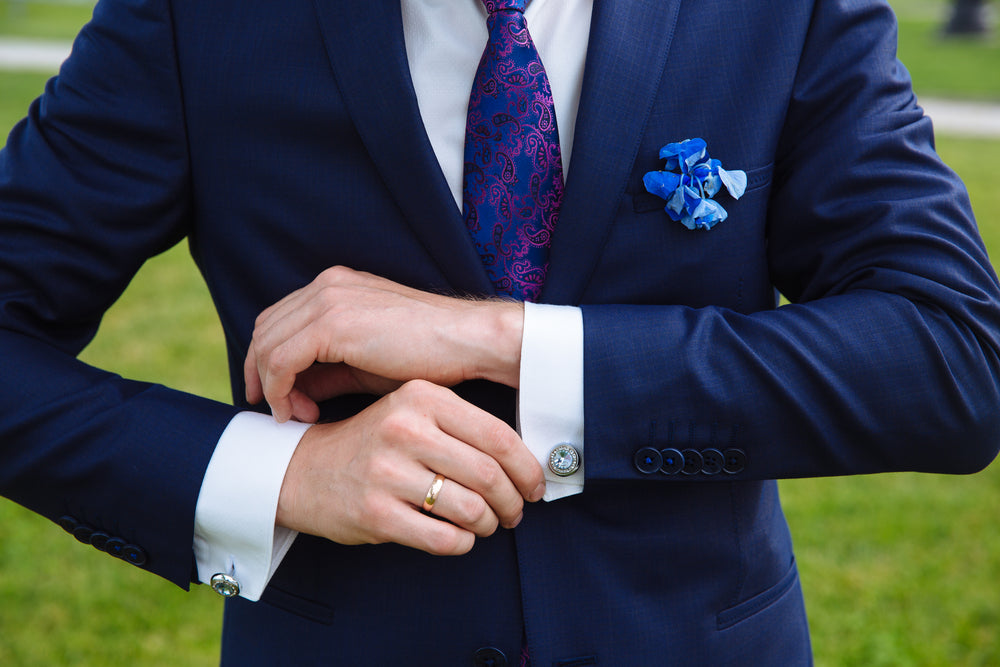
(432, 492)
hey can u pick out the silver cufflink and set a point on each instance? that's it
(564, 460)
(225, 585)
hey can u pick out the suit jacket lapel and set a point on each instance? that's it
(626, 56)
(364, 41)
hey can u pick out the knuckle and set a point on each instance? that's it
(418, 388)
(329, 296)
(489, 473)
(419, 394)
(333, 275)
(472, 510)
(498, 436)
(400, 426)
(278, 359)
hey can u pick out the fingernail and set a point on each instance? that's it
(516, 521)
(538, 492)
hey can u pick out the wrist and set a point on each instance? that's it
(289, 512)
(500, 328)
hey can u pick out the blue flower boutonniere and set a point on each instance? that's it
(689, 182)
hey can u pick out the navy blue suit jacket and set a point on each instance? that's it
(282, 138)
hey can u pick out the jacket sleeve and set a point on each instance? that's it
(92, 183)
(887, 357)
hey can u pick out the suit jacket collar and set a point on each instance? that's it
(629, 42)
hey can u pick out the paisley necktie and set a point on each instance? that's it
(513, 166)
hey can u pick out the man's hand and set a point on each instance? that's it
(363, 480)
(371, 334)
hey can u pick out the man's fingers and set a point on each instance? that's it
(427, 533)
(494, 438)
(382, 328)
(280, 368)
(251, 378)
(365, 479)
(281, 347)
(469, 446)
(304, 408)
(472, 470)
(462, 507)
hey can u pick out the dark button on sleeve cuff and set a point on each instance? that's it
(692, 462)
(83, 533)
(115, 546)
(673, 461)
(711, 461)
(67, 523)
(647, 460)
(99, 540)
(134, 554)
(735, 461)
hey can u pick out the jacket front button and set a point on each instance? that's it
(489, 657)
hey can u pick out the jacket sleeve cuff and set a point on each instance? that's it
(550, 400)
(235, 533)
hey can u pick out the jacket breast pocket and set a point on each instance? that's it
(649, 258)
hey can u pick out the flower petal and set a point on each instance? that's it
(677, 202)
(671, 153)
(708, 214)
(661, 183)
(694, 151)
(735, 181)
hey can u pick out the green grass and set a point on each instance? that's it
(898, 570)
(43, 20)
(19, 88)
(967, 68)
(159, 336)
(961, 68)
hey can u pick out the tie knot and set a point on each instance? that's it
(494, 6)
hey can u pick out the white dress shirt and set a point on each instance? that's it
(235, 530)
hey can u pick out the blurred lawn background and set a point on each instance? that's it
(899, 569)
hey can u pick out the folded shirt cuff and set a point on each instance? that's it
(235, 532)
(550, 399)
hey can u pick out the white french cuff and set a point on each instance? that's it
(550, 399)
(234, 532)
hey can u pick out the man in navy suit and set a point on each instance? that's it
(310, 152)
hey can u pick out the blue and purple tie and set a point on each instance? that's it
(513, 164)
